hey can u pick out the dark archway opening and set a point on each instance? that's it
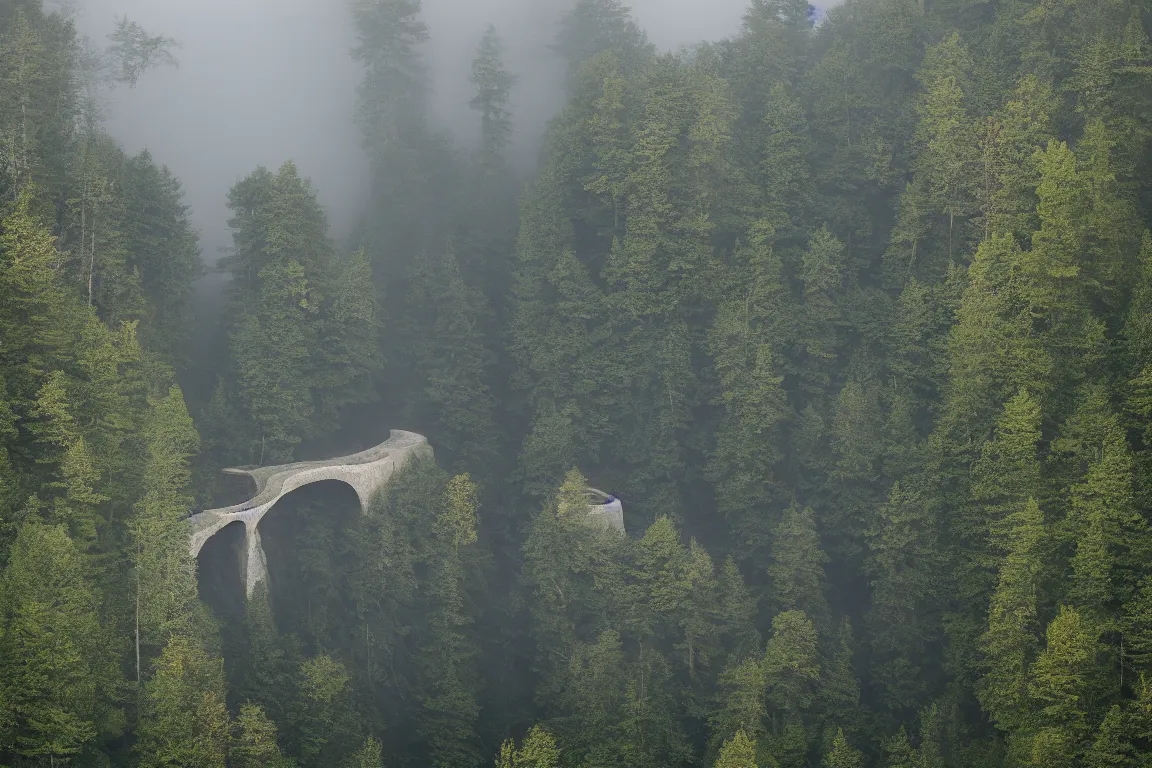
(310, 539)
(220, 577)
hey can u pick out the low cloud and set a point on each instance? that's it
(261, 81)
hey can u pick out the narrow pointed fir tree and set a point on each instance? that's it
(183, 718)
(165, 573)
(253, 743)
(58, 681)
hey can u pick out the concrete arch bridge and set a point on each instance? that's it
(366, 472)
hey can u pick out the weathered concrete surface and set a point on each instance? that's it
(610, 514)
(367, 472)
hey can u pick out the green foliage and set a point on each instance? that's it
(59, 683)
(538, 750)
(303, 322)
(790, 662)
(317, 711)
(183, 719)
(369, 756)
(136, 51)
(1011, 642)
(904, 556)
(167, 603)
(738, 752)
(450, 361)
(852, 316)
(796, 569)
(843, 754)
(898, 752)
(253, 743)
(493, 87)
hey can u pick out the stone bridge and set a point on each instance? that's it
(367, 472)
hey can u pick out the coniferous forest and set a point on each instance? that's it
(852, 310)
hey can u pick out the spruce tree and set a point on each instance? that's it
(253, 743)
(58, 680)
(166, 598)
(183, 718)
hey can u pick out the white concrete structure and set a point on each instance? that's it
(606, 510)
(367, 472)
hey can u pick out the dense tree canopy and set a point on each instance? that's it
(852, 309)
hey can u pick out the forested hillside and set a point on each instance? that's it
(853, 310)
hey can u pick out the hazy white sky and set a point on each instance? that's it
(261, 81)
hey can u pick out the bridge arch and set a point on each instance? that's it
(366, 472)
(219, 570)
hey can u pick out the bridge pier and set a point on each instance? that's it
(254, 564)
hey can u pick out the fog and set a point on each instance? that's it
(262, 81)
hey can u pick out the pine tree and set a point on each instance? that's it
(1008, 470)
(1063, 677)
(272, 348)
(493, 85)
(450, 361)
(319, 711)
(183, 720)
(596, 695)
(253, 743)
(393, 88)
(538, 750)
(1136, 627)
(785, 173)
(791, 669)
(486, 235)
(738, 752)
(62, 443)
(746, 331)
(1111, 746)
(58, 681)
(898, 752)
(796, 569)
(904, 558)
(843, 754)
(449, 708)
(1009, 141)
(993, 351)
(1011, 641)
(267, 671)
(288, 330)
(839, 693)
(371, 755)
(947, 158)
(820, 332)
(166, 596)
(594, 26)
(1112, 540)
(163, 246)
(349, 349)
